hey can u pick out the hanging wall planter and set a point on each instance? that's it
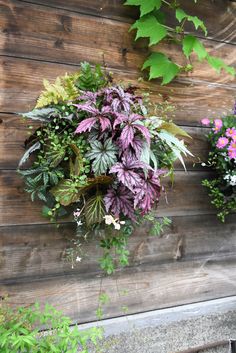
(101, 152)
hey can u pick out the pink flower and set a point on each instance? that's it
(232, 150)
(218, 123)
(231, 132)
(205, 121)
(216, 129)
(232, 146)
(232, 153)
(222, 142)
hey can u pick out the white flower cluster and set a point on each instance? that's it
(111, 220)
(76, 215)
(231, 179)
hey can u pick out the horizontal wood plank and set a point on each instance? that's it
(30, 252)
(148, 288)
(186, 197)
(22, 82)
(58, 36)
(221, 25)
(13, 132)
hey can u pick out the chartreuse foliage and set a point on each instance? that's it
(20, 331)
(98, 156)
(152, 25)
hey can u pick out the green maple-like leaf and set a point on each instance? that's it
(104, 156)
(190, 44)
(181, 15)
(148, 26)
(146, 6)
(161, 66)
(94, 210)
(219, 64)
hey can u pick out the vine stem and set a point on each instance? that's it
(167, 3)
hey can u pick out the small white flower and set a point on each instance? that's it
(203, 164)
(109, 219)
(79, 223)
(233, 180)
(78, 259)
(117, 226)
(77, 213)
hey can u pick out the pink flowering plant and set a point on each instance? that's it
(100, 154)
(222, 158)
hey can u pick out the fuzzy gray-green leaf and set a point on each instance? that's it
(36, 146)
(43, 114)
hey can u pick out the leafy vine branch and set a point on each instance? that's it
(152, 25)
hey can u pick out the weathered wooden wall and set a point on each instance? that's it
(196, 259)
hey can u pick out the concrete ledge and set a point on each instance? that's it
(172, 329)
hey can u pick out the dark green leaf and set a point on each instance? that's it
(66, 192)
(94, 210)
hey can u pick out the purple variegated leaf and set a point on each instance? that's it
(106, 110)
(104, 122)
(127, 136)
(144, 131)
(135, 117)
(148, 191)
(137, 146)
(127, 177)
(126, 106)
(86, 107)
(86, 125)
(134, 164)
(120, 201)
(89, 97)
(128, 172)
(121, 118)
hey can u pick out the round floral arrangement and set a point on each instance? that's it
(222, 158)
(100, 153)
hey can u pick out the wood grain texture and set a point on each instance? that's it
(22, 82)
(196, 258)
(219, 15)
(186, 197)
(35, 252)
(58, 36)
(13, 132)
(207, 270)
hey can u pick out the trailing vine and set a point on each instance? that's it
(152, 25)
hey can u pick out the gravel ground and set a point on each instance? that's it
(176, 336)
(173, 332)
